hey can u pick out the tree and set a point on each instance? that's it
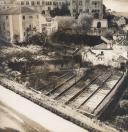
(104, 12)
(85, 22)
(38, 38)
(63, 11)
(110, 19)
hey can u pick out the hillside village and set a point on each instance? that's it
(20, 20)
(68, 56)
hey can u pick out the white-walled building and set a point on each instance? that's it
(100, 23)
(47, 24)
(16, 21)
(5, 4)
(41, 5)
(102, 55)
(93, 7)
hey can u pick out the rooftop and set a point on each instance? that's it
(17, 10)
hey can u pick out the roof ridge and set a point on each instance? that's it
(17, 10)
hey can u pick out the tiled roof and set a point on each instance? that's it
(17, 10)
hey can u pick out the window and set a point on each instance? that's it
(80, 10)
(23, 17)
(74, 2)
(49, 8)
(50, 3)
(98, 24)
(38, 2)
(87, 10)
(74, 10)
(22, 3)
(54, 3)
(32, 3)
(43, 3)
(80, 3)
(6, 17)
(27, 2)
(30, 17)
(46, 3)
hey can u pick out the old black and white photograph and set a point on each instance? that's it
(63, 65)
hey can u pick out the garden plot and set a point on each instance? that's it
(59, 82)
(68, 84)
(100, 95)
(90, 89)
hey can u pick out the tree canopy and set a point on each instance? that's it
(63, 11)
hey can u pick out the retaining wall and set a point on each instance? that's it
(63, 111)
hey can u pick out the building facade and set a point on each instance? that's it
(92, 7)
(5, 4)
(47, 24)
(16, 22)
(41, 5)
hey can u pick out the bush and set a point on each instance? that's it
(108, 34)
(70, 38)
(39, 39)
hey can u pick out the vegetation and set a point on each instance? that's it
(120, 117)
(108, 34)
(69, 38)
(85, 22)
(38, 39)
(63, 11)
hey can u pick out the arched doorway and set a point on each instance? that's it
(98, 24)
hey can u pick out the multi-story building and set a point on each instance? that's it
(41, 5)
(15, 23)
(93, 7)
(47, 24)
(4, 4)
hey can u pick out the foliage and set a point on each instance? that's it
(39, 39)
(63, 11)
(85, 22)
(110, 19)
(104, 12)
(108, 34)
(65, 24)
(69, 38)
(122, 122)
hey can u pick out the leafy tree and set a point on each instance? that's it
(39, 39)
(85, 22)
(63, 11)
(110, 17)
(104, 12)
